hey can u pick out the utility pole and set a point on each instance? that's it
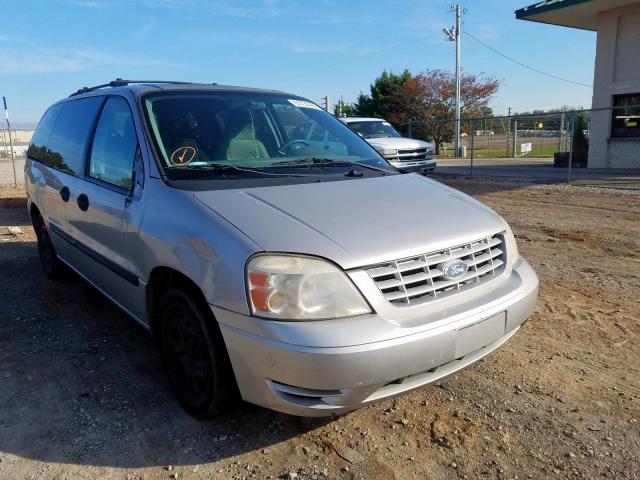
(453, 35)
(13, 158)
(508, 133)
(326, 102)
(341, 107)
(561, 131)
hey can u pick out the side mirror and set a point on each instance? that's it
(132, 185)
(137, 175)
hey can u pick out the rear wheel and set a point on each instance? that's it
(51, 265)
(194, 355)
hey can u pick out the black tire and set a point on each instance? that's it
(194, 355)
(52, 266)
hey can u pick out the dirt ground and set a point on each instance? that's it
(83, 395)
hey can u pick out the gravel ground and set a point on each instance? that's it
(83, 394)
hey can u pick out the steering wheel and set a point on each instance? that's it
(289, 149)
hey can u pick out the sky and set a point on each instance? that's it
(313, 48)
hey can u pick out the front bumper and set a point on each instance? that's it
(421, 166)
(292, 367)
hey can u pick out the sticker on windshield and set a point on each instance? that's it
(303, 104)
(386, 123)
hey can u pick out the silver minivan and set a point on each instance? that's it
(306, 279)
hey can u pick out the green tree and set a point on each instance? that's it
(343, 109)
(580, 140)
(380, 101)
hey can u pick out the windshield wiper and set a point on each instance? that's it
(225, 168)
(319, 162)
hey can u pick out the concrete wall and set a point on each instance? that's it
(617, 72)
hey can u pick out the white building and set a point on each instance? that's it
(615, 134)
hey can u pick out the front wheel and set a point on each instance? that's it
(194, 355)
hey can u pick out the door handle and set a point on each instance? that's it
(65, 193)
(83, 202)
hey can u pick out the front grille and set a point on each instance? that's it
(412, 155)
(415, 280)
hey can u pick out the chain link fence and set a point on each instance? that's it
(580, 146)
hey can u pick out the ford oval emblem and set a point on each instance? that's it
(453, 269)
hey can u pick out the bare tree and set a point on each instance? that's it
(430, 97)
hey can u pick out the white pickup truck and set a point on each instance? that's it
(404, 153)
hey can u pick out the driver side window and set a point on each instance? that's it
(114, 144)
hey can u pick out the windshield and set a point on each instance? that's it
(374, 129)
(246, 132)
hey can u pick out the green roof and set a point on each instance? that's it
(582, 14)
(546, 6)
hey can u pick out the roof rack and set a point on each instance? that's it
(118, 82)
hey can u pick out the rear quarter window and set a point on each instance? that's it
(60, 141)
(38, 146)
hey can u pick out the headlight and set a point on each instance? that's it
(289, 287)
(387, 152)
(512, 246)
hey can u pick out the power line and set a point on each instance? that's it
(525, 65)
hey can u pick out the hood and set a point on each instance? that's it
(356, 222)
(398, 143)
